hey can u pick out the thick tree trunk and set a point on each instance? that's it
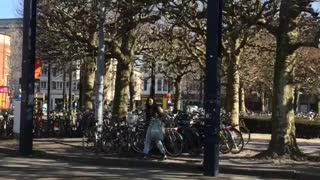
(120, 104)
(242, 99)
(177, 94)
(233, 87)
(283, 140)
(131, 89)
(88, 85)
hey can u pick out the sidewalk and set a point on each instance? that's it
(70, 150)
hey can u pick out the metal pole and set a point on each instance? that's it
(49, 96)
(70, 88)
(100, 70)
(27, 84)
(69, 119)
(64, 92)
(80, 86)
(212, 88)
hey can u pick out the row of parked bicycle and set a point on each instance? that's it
(184, 132)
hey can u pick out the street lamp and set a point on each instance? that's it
(27, 83)
(212, 88)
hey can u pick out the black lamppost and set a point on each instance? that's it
(27, 80)
(212, 87)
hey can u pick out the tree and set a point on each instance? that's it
(162, 44)
(289, 37)
(177, 65)
(70, 27)
(307, 75)
(128, 17)
(256, 69)
(239, 22)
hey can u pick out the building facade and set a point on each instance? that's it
(5, 53)
(13, 29)
(191, 88)
(57, 84)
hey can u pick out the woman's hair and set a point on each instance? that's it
(147, 102)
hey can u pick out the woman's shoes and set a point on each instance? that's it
(145, 157)
(164, 157)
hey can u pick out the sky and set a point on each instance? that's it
(9, 8)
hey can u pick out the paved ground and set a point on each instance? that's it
(70, 150)
(37, 168)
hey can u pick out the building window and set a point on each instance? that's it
(170, 86)
(78, 85)
(74, 86)
(43, 84)
(159, 84)
(165, 85)
(74, 74)
(60, 85)
(54, 85)
(145, 85)
(45, 70)
(54, 72)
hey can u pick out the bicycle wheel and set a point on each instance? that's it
(137, 142)
(245, 132)
(109, 142)
(89, 140)
(225, 146)
(192, 141)
(173, 143)
(236, 140)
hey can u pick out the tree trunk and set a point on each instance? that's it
(318, 104)
(296, 101)
(228, 98)
(88, 85)
(242, 99)
(267, 106)
(153, 81)
(233, 87)
(263, 101)
(177, 94)
(283, 140)
(120, 103)
(131, 89)
(107, 84)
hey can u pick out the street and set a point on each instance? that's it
(36, 168)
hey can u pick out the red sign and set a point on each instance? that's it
(168, 95)
(38, 68)
(4, 89)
